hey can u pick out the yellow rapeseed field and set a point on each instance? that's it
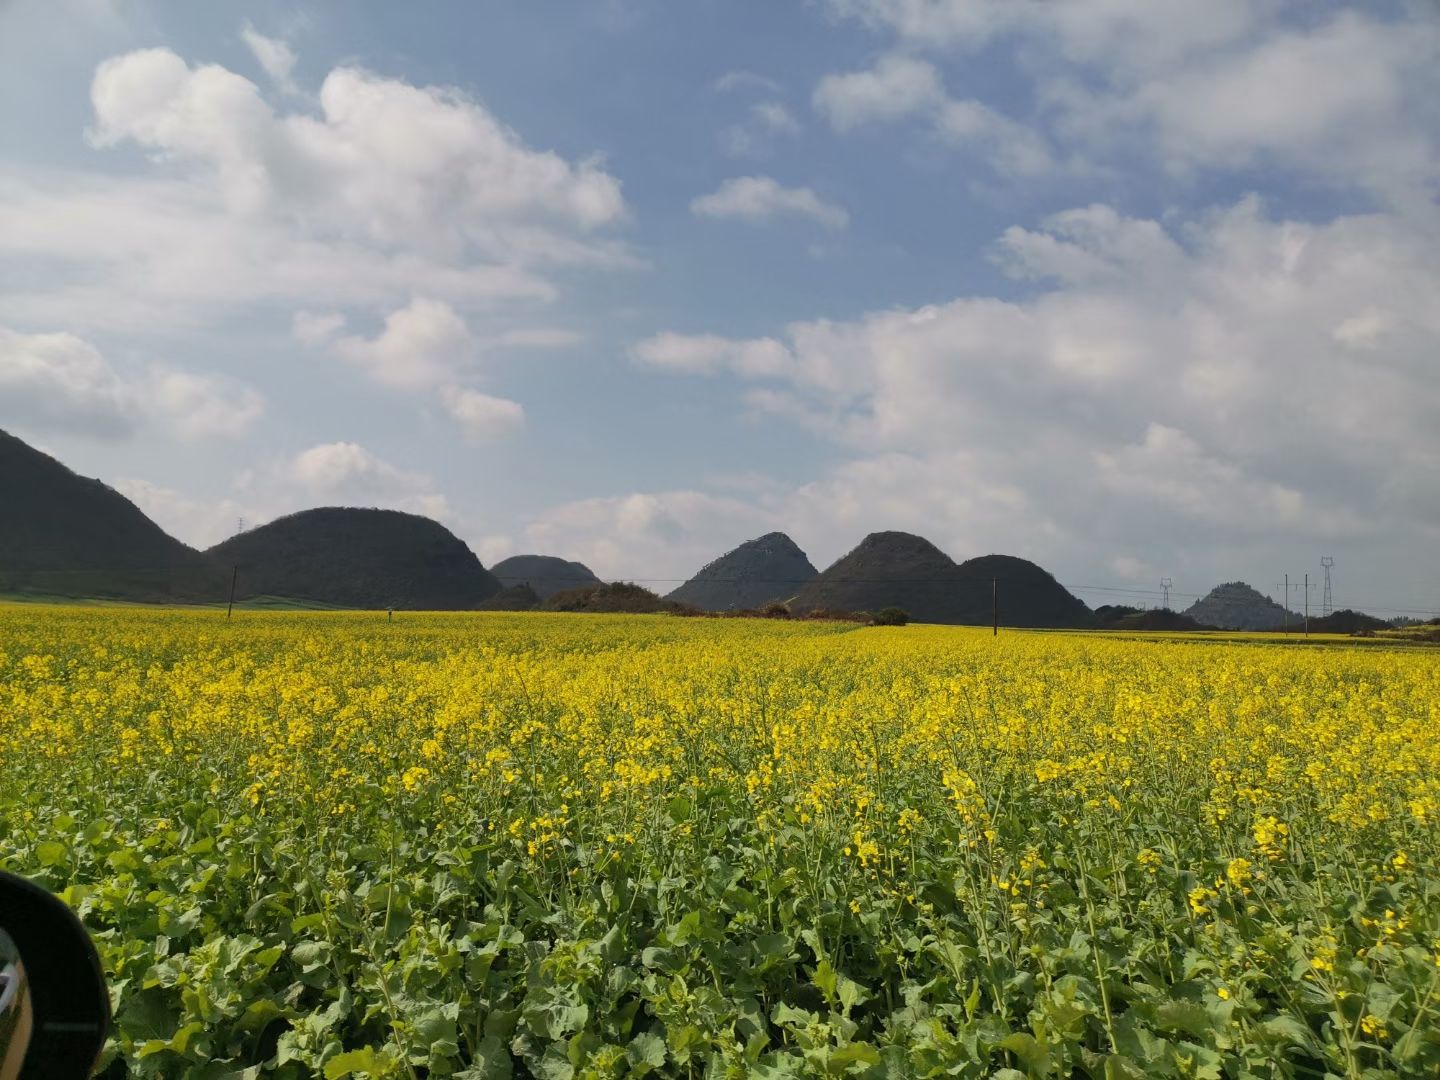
(581, 846)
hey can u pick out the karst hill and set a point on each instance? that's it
(359, 558)
(770, 567)
(1236, 606)
(545, 574)
(63, 534)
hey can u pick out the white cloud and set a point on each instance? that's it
(901, 86)
(422, 344)
(482, 418)
(274, 56)
(390, 190)
(199, 405)
(707, 354)
(156, 255)
(897, 86)
(60, 382)
(761, 198)
(1168, 467)
(331, 468)
(385, 159)
(1223, 85)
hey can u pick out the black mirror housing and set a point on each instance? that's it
(63, 984)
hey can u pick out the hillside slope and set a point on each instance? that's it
(546, 574)
(361, 559)
(63, 534)
(1236, 606)
(886, 569)
(770, 567)
(1028, 594)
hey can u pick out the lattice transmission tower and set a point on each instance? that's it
(1165, 584)
(1327, 562)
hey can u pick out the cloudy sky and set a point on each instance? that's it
(1133, 288)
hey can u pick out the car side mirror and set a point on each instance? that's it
(54, 1008)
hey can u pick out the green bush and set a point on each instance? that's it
(890, 616)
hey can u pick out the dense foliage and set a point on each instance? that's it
(495, 845)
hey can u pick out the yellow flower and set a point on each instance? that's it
(1238, 873)
(1373, 1026)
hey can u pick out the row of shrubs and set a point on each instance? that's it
(624, 597)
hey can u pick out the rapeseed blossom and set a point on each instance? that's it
(532, 844)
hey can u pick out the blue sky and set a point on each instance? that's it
(1134, 289)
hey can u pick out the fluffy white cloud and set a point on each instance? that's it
(392, 190)
(200, 405)
(155, 255)
(421, 345)
(61, 382)
(900, 86)
(347, 467)
(58, 381)
(1222, 85)
(482, 418)
(762, 198)
(427, 346)
(274, 56)
(385, 159)
(897, 86)
(1211, 386)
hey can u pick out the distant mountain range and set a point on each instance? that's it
(65, 535)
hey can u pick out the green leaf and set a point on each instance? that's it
(492, 1062)
(1035, 1055)
(364, 1060)
(51, 852)
(645, 1053)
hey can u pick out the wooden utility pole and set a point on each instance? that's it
(234, 575)
(995, 606)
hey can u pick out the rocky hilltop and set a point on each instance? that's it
(770, 567)
(361, 559)
(546, 574)
(1236, 606)
(63, 534)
